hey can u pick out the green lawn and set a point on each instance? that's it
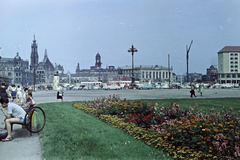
(70, 133)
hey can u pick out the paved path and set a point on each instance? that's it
(24, 147)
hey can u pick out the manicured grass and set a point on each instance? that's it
(204, 104)
(70, 133)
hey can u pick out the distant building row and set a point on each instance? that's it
(18, 71)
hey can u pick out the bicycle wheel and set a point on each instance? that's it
(36, 119)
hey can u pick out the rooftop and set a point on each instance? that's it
(230, 49)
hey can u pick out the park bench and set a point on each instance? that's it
(31, 123)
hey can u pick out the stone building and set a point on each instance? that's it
(228, 64)
(18, 71)
(14, 70)
(143, 73)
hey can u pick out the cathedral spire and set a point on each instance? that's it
(45, 56)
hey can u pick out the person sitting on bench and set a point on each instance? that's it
(28, 101)
(15, 114)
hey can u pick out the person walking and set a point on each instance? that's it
(192, 91)
(59, 92)
(3, 90)
(201, 86)
(13, 92)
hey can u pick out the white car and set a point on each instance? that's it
(112, 87)
(165, 86)
(76, 88)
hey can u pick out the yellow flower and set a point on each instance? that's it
(203, 129)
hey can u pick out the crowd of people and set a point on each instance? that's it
(14, 111)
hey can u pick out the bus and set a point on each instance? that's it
(121, 83)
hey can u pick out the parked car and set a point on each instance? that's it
(236, 85)
(158, 86)
(145, 86)
(165, 86)
(227, 85)
(76, 87)
(111, 87)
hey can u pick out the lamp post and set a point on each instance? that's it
(188, 49)
(132, 50)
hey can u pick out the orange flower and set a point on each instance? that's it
(210, 119)
(193, 116)
(166, 137)
(220, 125)
(172, 138)
(168, 134)
(208, 130)
(215, 130)
(179, 130)
(224, 137)
(170, 129)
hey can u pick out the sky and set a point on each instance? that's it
(74, 31)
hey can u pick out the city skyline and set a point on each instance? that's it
(75, 31)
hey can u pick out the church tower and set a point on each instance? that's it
(78, 69)
(34, 55)
(98, 61)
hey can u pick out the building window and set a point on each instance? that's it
(231, 54)
(163, 75)
(153, 75)
(19, 74)
(233, 75)
(16, 74)
(146, 74)
(142, 74)
(228, 81)
(222, 75)
(160, 75)
(238, 75)
(150, 74)
(156, 75)
(166, 74)
(228, 76)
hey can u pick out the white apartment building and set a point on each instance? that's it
(228, 64)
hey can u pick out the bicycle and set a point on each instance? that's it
(36, 119)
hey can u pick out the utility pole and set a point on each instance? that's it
(188, 49)
(169, 70)
(133, 78)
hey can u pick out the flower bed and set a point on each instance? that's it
(182, 133)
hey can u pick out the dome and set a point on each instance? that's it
(17, 56)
